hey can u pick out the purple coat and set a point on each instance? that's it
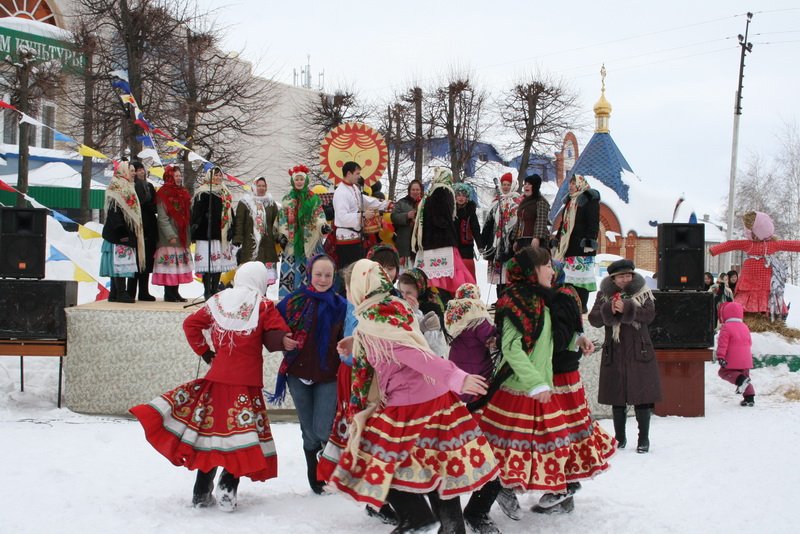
(469, 352)
(733, 344)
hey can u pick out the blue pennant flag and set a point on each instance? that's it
(146, 140)
(207, 166)
(60, 217)
(122, 86)
(58, 136)
(56, 255)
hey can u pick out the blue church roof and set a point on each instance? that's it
(602, 160)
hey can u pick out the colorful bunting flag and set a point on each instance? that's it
(5, 187)
(4, 104)
(122, 74)
(56, 255)
(178, 145)
(146, 140)
(87, 233)
(157, 171)
(82, 276)
(30, 120)
(60, 217)
(58, 136)
(122, 85)
(85, 151)
(162, 133)
(102, 292)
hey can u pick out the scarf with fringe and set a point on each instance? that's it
(121, 193)
(523, 302)
(466, 310)
(206, 184)
(636, 291)
(176, 202)
(568, 217)
(442, 177)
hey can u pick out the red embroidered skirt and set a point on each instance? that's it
(205, 424)
(434, 445)
(530, 440)
(337, 441)
(590, 446)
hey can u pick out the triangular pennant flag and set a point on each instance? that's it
(87, 233)
(102, 292)
(56, 255)
(30, 120)
(58, 136)
(162, 133)
(122, 85)
(207, 166)
(157, 171)
(127, 99)
(5, 187)
(234, 179)
(178, 145)
(122, 74)
(85, 151)
(4, 104)
(60, 217)
(82, 276)
(146, 140)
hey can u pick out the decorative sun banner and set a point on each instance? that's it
(354, 141)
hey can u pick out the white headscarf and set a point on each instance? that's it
(236, 309)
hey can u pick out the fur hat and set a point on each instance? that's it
(620, 267)
(535, 180)
(507, 177)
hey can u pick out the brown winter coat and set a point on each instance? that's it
(628, 370)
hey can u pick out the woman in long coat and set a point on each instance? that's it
(628, 370)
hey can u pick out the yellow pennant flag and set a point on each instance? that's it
(178, 145)
(157, 171)
(81, 275)
(85, 151)
(87, 233)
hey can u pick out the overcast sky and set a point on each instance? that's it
(672, 66)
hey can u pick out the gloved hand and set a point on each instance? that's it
(208, 356)
(283, 240)
(722, 362)
(326, 229)
(430, 322)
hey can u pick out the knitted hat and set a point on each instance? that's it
(620, 267)
(507, 177)
(535, 180)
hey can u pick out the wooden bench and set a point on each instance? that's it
(35, 347)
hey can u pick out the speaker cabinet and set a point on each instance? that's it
(34, 309)
(22, 242)
(681, 256)
(684, 320)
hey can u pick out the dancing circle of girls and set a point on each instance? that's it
(406, 401)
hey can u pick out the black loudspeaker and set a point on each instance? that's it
(684, 320)
(34, 309)
(23, 242)
(680, 256)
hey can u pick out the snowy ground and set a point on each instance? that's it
(734, 470)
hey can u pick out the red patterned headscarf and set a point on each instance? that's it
(177, 202)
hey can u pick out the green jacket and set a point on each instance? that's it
(534, 370)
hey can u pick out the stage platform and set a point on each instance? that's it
(120, 355)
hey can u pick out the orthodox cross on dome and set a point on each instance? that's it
(603, 78)
(602, 109)
(37, 10)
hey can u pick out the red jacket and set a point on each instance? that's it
(238, 361)
(733, 344)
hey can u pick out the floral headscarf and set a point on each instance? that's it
(466, 310)
(304, 203)
(122, 194)
(425, 293)
(523, 300)
(176, 202)
(205, 184)
(568, 217)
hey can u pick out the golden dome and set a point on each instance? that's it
(603, 107)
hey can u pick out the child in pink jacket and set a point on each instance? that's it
(733, 351)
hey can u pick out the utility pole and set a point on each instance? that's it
(737, 112)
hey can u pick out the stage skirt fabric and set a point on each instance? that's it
(173, 266)
(337, 441)
(205, 424)
(430, 446)
(117, 260)
(222, 261)
(530, 440)
(445, 268)
(590, 446)
(579, 271)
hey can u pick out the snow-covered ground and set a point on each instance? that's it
(734, 470)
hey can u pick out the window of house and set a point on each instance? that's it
(10, 125)
(49, 119)
(483, 157)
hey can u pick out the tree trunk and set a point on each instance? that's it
(452, 138)
(418, 140)
(532, 98)
(133, 52)
(24, 107)
(397, 134)
(88, 123)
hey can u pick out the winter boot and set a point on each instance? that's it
(643, 418)
(620, 417)
(118, 288)
(226, 492)
(573, 487)
(448, 513)
(215, 283)
(414, 513)
(311, 464)
(144, 288)
(476, 513)
(554, 503)
(203, 489)
(207, 294)
(385, 515)
(749, 401)
(176, 293)
(133, 283)
(742, 382)
(583, 294)
(171, 294)
(509, 504)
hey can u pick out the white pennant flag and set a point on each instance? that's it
(30, 120)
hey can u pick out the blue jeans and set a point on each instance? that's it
(316, 408)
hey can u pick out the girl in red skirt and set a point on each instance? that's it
(419, 438)
(221, 420)
(521, 420)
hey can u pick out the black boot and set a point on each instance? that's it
(748, 401)
(207, 294)
(133, 283)
(112, 289)
(620, 418)
(144, 288)
(215, 283)
(311, 464)
(476, 513)
(226, 491)
(385, 515)
(176, 293)
(583, 293)
(169, 294)
(448, 513)
(118, 288)
(413, 511)
(643, 418)
(202, 496)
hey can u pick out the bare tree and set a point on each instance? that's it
(539, 110)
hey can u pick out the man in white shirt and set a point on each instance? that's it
(351, 207)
